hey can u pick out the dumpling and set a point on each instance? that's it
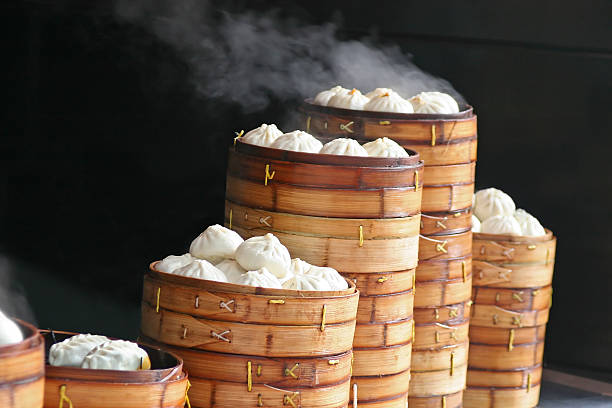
(307, 282)
(389, 102)
(172, 262)
(201, 269)
(264, 251)
(264, 135)
(232, 270)
(299, 266)
(501, 224)
(491, 202)
(352, 99)
(298, 141)
(384, 147)
(117, 355)
(215, 244)
(529, 224)
(434, 102)
(335, 280)
(261, 278)
(323, 97)
(344, 147)
(9, 331)
(72, 351)
(379, 92)
(475, 224)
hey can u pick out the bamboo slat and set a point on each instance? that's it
(398, 402)
(267, 340)
(276, 372)
(507, 337)
(443, 382)
(513, 299)
(464, 151)
(375, 255)
(448, 314)
(502, 397)
(495, 316)
(249, 218)
(521, 276)
(452, 197)
(513, 252)
(437, 269)
(22, 370)
(221, 394)
(381, 361)
(439, 401)
(440, 358)
(378, 388)
(374, 203)
(443, 292)
(446, 223)
(504, 379)
(247, 308)
(382, 283)
(385, 308)
(383, 334)
(449, 174)
(445, 246)
(484, 356)
(435, 335)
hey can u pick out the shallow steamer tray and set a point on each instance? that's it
(165, 385)
(22, 370)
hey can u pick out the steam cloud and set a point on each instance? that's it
(13, 301)
(251, 58)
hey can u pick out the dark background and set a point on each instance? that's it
(109, 160)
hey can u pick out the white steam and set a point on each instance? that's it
(13, 300)
(251, 58)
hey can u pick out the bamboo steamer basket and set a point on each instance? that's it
(445, 246)
(383, 334)
(447, 314)
(527, 397)
(22, 370)
(514, 299)
(441, 358)
(453, 400)
(436, 383)
(164, 385)
(375, 361)
(505, 379)
(397, 402)
(435, 335)
(385, 308)
(446, 223)
(449, 268)
(378, 388)
(438, 293)
(382, 283)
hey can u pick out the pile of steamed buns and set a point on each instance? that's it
(494, 212)
(387, 100)
(299, 141)
(220, 254)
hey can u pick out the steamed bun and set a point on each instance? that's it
(261, 278)
(298, 141)
(434, 102)
(501, 224)
(385, 147)
(323, 97)
(172, 262)
(529, 224)
(491, 202)
(201, 269)
(352, 99)
(72, 351)
(232, 270)
(264, 135)
(264, 251)
(215, 244)
(475, 224)
(344, 147)
(9, 331)
(117, 355)
(389, 102)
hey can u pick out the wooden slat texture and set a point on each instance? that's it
(445, 246)
(443, 292)
(382, 283)
(439, 401)
(513, 299)
(383, 334)
(505, 337)
(440, 358)
(485, 356)
(378, 388)
(502, 397)
(435, 335)
(381, 361)
(446, 223)
(447, 314)
(385, 308)
(431, 383)
(504, 379)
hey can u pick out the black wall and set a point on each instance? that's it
(109, 160)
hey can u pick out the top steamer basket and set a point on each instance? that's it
(512, 295)
(22, 370)
(251, 346)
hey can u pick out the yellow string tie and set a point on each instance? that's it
(276, 301)
(535, 292)
(231, 214)
(517, 296)
(249, 376)
(440, 224)
(187, 394)
(517, 320)
(64, 397)
(413, 330)
(437, 337)
(416, 180)
(269, 176)
(361, 235)
(347, 127)
(437, 314)
(382, 280)
(547, 255)
(497, 297)
(238, 136)
(384, 123)
(511, 340)
(323, 317)
(157, 304)
(452, 363)
(464, 271)
(443, 402)
(333, 362)
(259, 368)
(414, 282)
(528, 382)
(452, 313)
(308, 119)
(531, 247)
(433, 135)
(288, 400)
(441, 247)
(290, 372)
(260, 400)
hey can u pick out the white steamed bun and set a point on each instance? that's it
(475, 224)
(491, 202)
(72, 351)
(323, 97)
(380, 91)
(201, 269)
(307, 282)
(385, 147)
(434, 102)
(172, 262)
(215, 244)
(529, 224)
(117, 355)
(232, 270)
(298, 141)
(389, 102)
(261, 278)
(9, 331)
(501, 224)
(352, 99)
(264, 251)
(344, 147)
(333, 278)
(264, 135)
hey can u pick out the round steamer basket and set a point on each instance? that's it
(438, 401)
(22, 370)
(527, 397)
(446, 223)
(165, 385)
(254, 346)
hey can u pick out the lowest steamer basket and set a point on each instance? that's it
(251, 346)
(165, 385)
(22, 370)
(512, 295)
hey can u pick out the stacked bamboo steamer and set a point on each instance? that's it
(357, 215)
(447, 145)
(248, 346)
(512, 295)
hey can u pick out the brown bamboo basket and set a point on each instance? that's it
(512, 295)
(453, 400)
(164, 385)
(22, 370)
(382, 283)
(441, 358)
(446, 223)
(248, 345)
